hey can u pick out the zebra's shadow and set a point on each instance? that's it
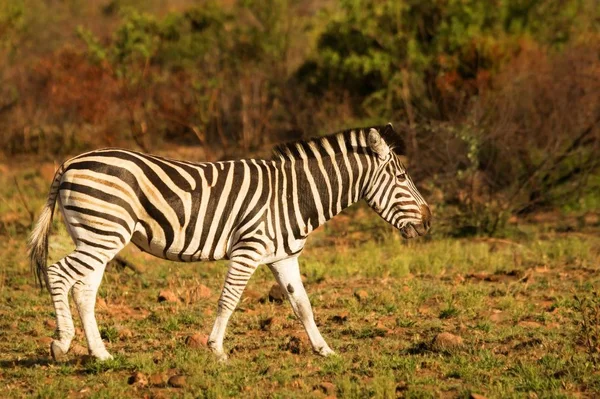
(37, 361)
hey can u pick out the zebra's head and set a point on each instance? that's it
(391, 192)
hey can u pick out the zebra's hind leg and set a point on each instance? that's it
(84, 294)
(240, 271)
(61, 277)
(287, 274)
(78, 267)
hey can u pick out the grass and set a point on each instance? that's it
(523, 308)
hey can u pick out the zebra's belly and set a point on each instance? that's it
(180, 249)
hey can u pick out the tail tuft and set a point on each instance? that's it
(38, 240)
(38, 246)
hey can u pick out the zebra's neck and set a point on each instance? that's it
(315, 189)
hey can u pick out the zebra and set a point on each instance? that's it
(251, 212)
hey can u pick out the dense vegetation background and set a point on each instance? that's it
(498, 100)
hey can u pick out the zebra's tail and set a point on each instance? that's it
(38, 240)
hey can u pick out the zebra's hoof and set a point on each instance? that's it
(325, 351)
(222, 358)
(102, 356)
(58, 353)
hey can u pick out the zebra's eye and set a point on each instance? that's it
(401, 176)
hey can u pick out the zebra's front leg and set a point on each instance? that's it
(287, 274)
(84, 294)
(240, 271)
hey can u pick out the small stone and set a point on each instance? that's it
(497, 316)
(203, 291)
(101, 303)
(167, 296)
(197, 293)
(45, 341)
(138, 379)
(79, 350)
(327, 387)
(276, 294)
(197, 340)
(341, 317)
(50, 323)
(208, 312)
(400, 388)
(271, 323)
(294, 345)
(177, 381)
(361, 295)
(158, 380)
(446, 340)
(476, 396)
(157, 357)
(251, 295)
(125, 333)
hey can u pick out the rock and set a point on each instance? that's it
(251, 295)
(294, 345)
(138, 379)
(476, 396)
(125, 333)
(50, 323)
(400, 388)
(197, 340)
(276, 294)
(158, 357)
(445, 341)
(167, 296)
(158, 380)
(327, 387)
(203, 291)
(78, 350)
(497, 316)
(271, 323)
(177, 381)
(361, 295)
(341, 317)
(198, 293)
(45, 341)
(101, 303)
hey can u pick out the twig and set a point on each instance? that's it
(29, 211)
(125, 264)
(496, 240)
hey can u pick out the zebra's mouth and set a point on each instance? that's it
(414, 230)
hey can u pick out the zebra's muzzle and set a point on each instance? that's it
(413, 230)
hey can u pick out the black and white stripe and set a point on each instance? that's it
(248, 211)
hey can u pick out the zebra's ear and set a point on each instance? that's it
(377, 144)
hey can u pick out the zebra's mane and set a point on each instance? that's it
(340, 142)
